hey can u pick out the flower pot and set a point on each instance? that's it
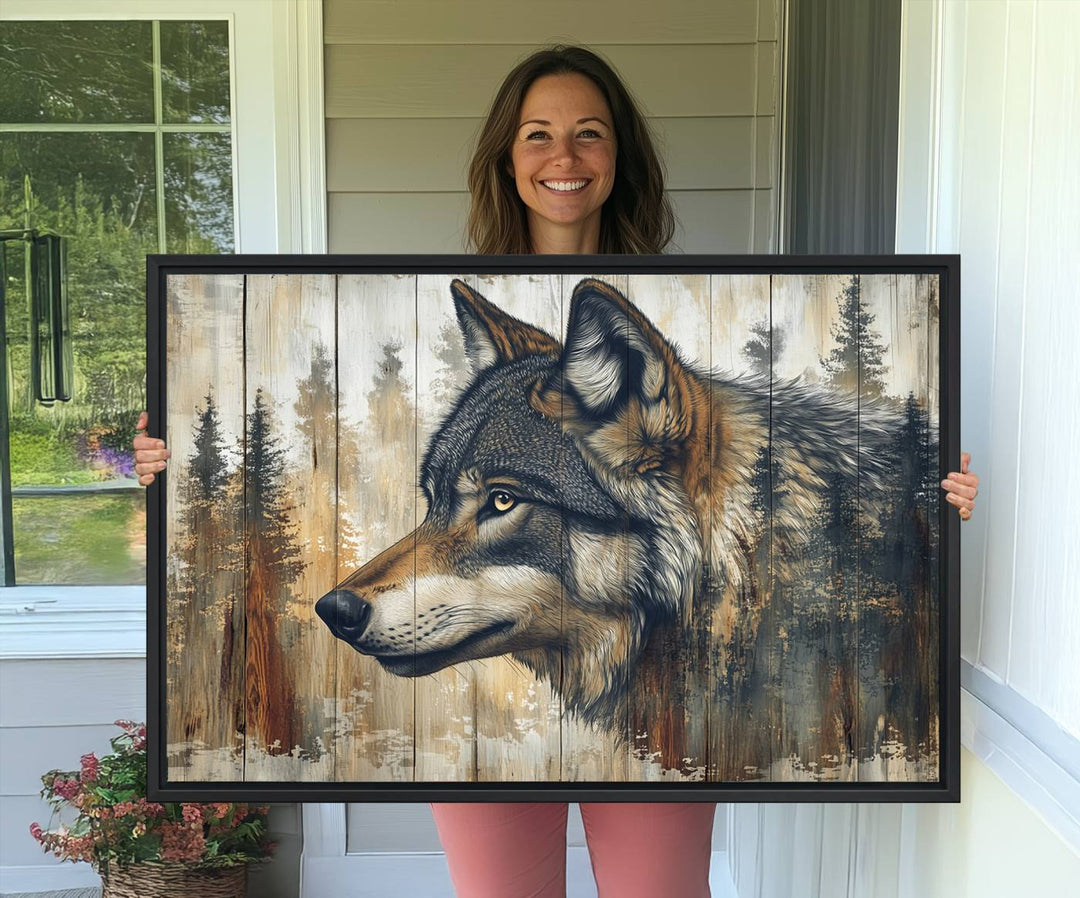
(171, 880)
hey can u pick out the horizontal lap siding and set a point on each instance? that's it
(408, 84)
(460, 80)
(53, 711)
(479, 22)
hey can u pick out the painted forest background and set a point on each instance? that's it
(299, 407)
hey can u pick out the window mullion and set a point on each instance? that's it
(159, 137)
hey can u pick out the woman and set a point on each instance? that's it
(565, 164)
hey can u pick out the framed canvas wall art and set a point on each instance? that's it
(553, 527)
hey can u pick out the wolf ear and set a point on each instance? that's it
(614, 354)
(493, 337)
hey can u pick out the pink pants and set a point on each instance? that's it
(512, 850)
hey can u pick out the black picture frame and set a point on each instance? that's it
(947, 786)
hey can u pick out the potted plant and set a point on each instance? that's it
(140, 847)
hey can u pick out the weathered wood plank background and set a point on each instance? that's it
(299, 409)
(205, 577)
(377, 505)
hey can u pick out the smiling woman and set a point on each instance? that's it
(564, 165)
(560, 118)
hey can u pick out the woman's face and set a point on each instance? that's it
(563, 154)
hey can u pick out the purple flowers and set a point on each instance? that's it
(117, 462)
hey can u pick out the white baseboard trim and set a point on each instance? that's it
(1047, 783)
(46, 878)
(425, 875)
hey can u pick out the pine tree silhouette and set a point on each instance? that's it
(207, 585)
(907, 491)
(835, 555)
(899, 562)
(766, 346)
(317, 426)
(855, 363)
(389, 450)
(315, 403)
(767, 485)
(273, 564)
(267, 513)
(389, 403)
(209, 473)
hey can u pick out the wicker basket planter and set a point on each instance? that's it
(174, 881)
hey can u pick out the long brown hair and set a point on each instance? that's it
(636, 218)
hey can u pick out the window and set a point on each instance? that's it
(277, 128)
(118, 136)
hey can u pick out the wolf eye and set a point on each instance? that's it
(502, 501)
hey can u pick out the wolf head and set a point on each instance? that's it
(566, 496)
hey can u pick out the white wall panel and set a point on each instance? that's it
(1004, 178)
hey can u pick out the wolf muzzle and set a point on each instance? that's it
(344, 613)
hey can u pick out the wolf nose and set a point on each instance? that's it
(345, 614)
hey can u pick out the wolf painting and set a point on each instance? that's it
(626, 524)
(543, 526)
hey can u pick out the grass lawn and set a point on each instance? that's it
(82, 539)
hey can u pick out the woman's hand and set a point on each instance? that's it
(150, 453)
(962, 487)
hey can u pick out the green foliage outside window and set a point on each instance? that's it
(98, 182)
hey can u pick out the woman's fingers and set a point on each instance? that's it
(965, 488)
(150, 452)
(960, 501)
(962, 487)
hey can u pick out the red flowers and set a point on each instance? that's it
(117, 824)
(181, 842)
(66, 788)
(89, 768)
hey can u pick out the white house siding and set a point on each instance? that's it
(53, 711)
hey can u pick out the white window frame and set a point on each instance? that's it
(279, 204)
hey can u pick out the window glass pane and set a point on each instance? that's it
(98, 191)
(198, 193)
(81, 539)
(195, 71)
(76, 72)
(116, 171)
